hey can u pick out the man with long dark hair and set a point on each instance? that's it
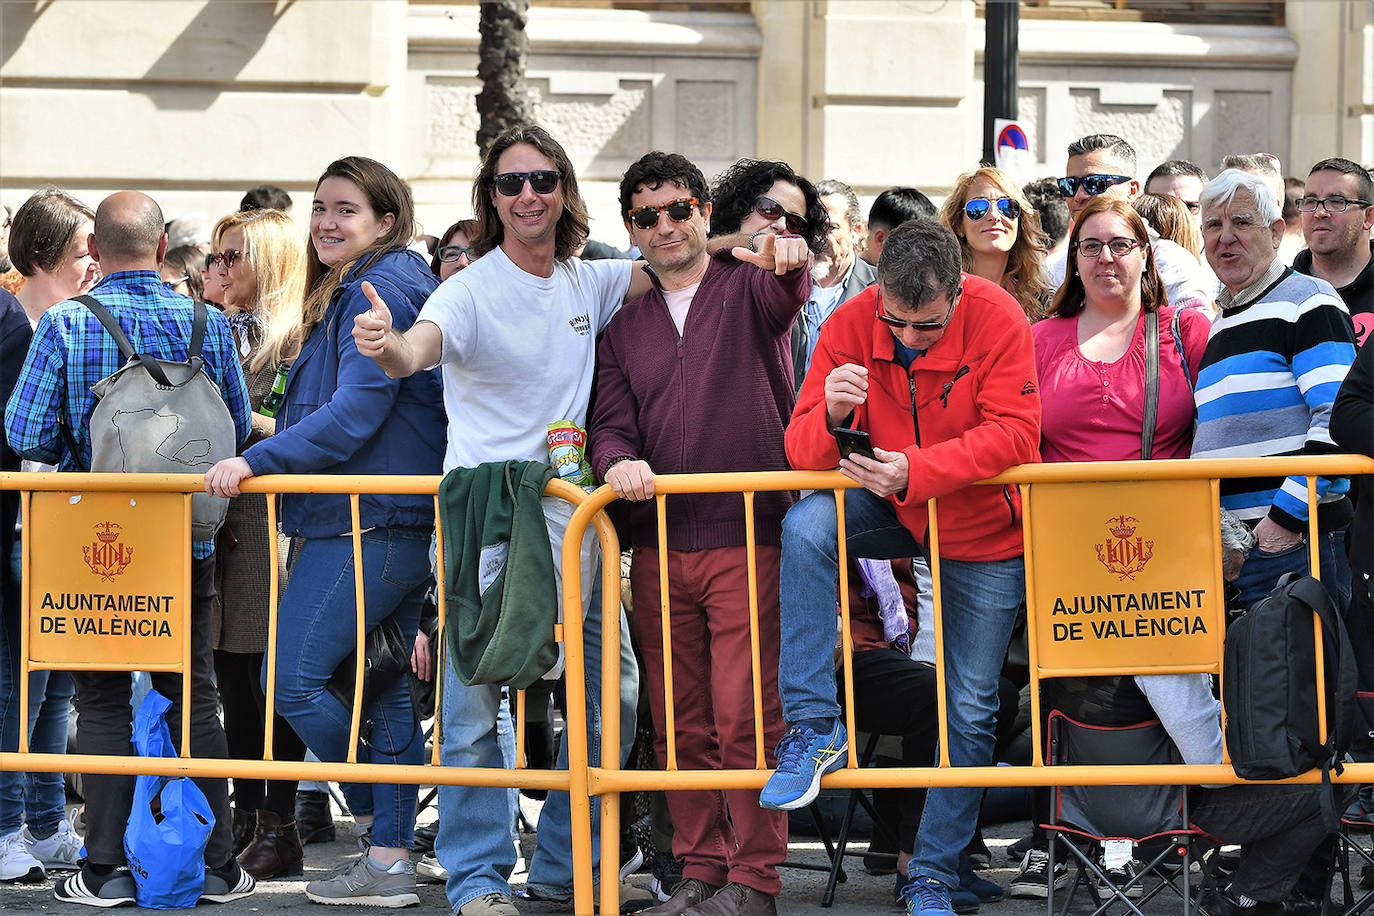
(515, 337)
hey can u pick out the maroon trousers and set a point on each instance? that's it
(720, 835)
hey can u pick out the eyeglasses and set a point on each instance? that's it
(899, 324)
(1119, 247)
(230, 257)
(1093, 184)
(1332, 204)
(175, 281)
(770, 210)
(679, 211)
(542, 181)
(452, 252)
(977, 208)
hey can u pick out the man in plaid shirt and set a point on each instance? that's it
(70, 352)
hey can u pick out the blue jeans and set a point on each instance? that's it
(474, 841)
(810, 580)
(1261, 571)
(980, 601)
(315, 633)
(33, 798)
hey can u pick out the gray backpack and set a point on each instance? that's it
(157, 416)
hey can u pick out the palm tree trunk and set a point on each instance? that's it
(504, 47)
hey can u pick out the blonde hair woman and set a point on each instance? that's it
(1000, 236)
(259, 265)
(257, 268)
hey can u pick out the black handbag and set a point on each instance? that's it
(387, 660)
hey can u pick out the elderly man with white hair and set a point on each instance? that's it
(1274, 361)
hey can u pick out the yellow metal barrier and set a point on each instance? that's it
(609, 781)
(573, 780)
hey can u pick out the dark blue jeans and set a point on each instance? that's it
(1261, 571)
(980, 601)
(316, 631)
(32, 798)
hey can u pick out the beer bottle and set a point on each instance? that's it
(272, 403)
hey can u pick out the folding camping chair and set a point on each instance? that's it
(1120, 818)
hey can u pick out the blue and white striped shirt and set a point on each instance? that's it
(1268, 378)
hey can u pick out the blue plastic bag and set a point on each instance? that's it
(169, 824)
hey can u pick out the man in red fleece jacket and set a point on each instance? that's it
(938, 368)
(694, 376)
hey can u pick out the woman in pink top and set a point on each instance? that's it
(1090, 351)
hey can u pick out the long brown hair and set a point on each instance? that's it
(386, 194)
(573, 225)
(1071, 298)
(1169, 217)
(1025, 275)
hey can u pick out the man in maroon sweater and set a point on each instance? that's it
(696, 376)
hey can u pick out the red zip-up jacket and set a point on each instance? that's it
(968, 409)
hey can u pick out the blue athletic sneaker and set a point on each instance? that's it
(803, 758)
(926, 896)
(964, 902)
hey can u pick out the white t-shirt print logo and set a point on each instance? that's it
(582, 324)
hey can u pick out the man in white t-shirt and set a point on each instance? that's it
(1104, 164)
(515, 337)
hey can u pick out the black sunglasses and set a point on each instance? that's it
(1093, 184)
(230, 257)
(977, 208)
(452, 252)
(542, 181)
(679, 211)
(770, 210)
(899, 324)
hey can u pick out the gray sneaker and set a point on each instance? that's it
(366, 884)
(492, 904)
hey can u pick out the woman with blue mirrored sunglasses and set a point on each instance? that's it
(978, 207)
(1000, 236)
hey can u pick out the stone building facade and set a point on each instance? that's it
(196, 101)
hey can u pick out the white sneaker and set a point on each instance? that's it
(16, 862)
(64, 850)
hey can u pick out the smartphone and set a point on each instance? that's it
(854, 441)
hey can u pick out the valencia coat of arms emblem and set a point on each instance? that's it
(1124, 553)
(105, 556)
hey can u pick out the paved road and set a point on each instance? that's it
(801, 893)
(863, 895)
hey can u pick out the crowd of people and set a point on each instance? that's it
(760, 321)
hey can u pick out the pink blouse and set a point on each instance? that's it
(1093, 411)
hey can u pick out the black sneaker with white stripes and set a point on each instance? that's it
(226, 883)
(115, 888)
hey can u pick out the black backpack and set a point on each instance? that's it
(1269, 687)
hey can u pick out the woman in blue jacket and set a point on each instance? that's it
(342, 415)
